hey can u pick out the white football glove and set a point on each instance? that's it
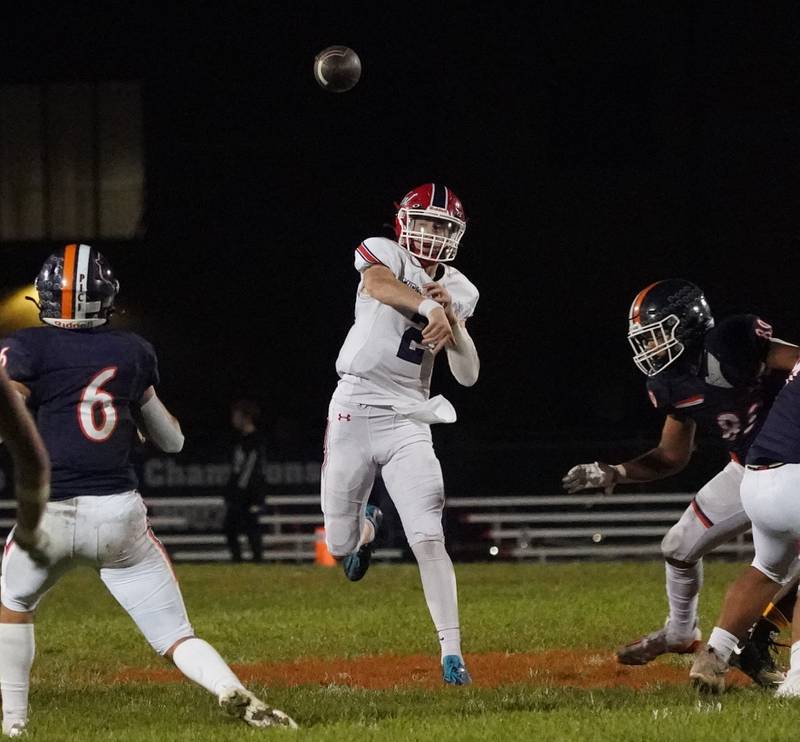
(35, 543)
(592, 476)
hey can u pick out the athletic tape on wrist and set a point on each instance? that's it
(427, 306)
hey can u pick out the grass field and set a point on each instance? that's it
(95, 679)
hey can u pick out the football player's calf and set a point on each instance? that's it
(414, 479)
(16, 660)
(778, 614)
(680, 633)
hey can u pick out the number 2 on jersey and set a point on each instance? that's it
(412, 334)
(94, 396)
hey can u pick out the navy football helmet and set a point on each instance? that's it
(76, 287)
(666, 318)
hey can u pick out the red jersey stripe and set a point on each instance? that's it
(363, 250)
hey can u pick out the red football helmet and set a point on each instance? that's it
(430, 222)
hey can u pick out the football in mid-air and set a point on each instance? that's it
(337, 69)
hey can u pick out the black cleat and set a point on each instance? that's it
(756, 657)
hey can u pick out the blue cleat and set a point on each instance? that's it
(454, 671)
(356, 565)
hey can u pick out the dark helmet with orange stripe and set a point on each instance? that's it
(76, 287)
(667, 318)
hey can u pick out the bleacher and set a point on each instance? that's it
(519, 527)
(580, 526)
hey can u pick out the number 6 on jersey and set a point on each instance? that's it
(95, 396)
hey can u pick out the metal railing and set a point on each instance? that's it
(512, 527)
(580, 526)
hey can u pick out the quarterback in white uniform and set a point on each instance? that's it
(410, 305)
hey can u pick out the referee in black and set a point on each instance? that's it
(246, 491)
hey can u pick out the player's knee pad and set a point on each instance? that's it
(430, 550)
(426, 527)
(342, 522)
(672, 545)
(342, 535)
(680, 540)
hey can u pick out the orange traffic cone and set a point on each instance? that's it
(322, 556)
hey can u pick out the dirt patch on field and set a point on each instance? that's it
(561, 667)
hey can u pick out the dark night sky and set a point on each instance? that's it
(595, 150)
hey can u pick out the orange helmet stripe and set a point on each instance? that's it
(637, 302)
(68, 281)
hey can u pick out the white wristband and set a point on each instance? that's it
(426, 306)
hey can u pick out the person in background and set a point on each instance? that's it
(246, 490)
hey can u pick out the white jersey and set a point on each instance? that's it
(383, 361)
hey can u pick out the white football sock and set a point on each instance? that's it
(722, 642)
(439, 586)
(794, 662)
(367, 534)
(450, 641)
(200, 662)
(683, 591)
(17, 648)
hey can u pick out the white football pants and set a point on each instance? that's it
(112, 535)
(361, 441)
(771, 497)
(712, 508)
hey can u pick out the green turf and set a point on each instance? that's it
(255, 613)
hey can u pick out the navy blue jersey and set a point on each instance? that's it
(83, 385)
(726, 393)
(779, 438)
